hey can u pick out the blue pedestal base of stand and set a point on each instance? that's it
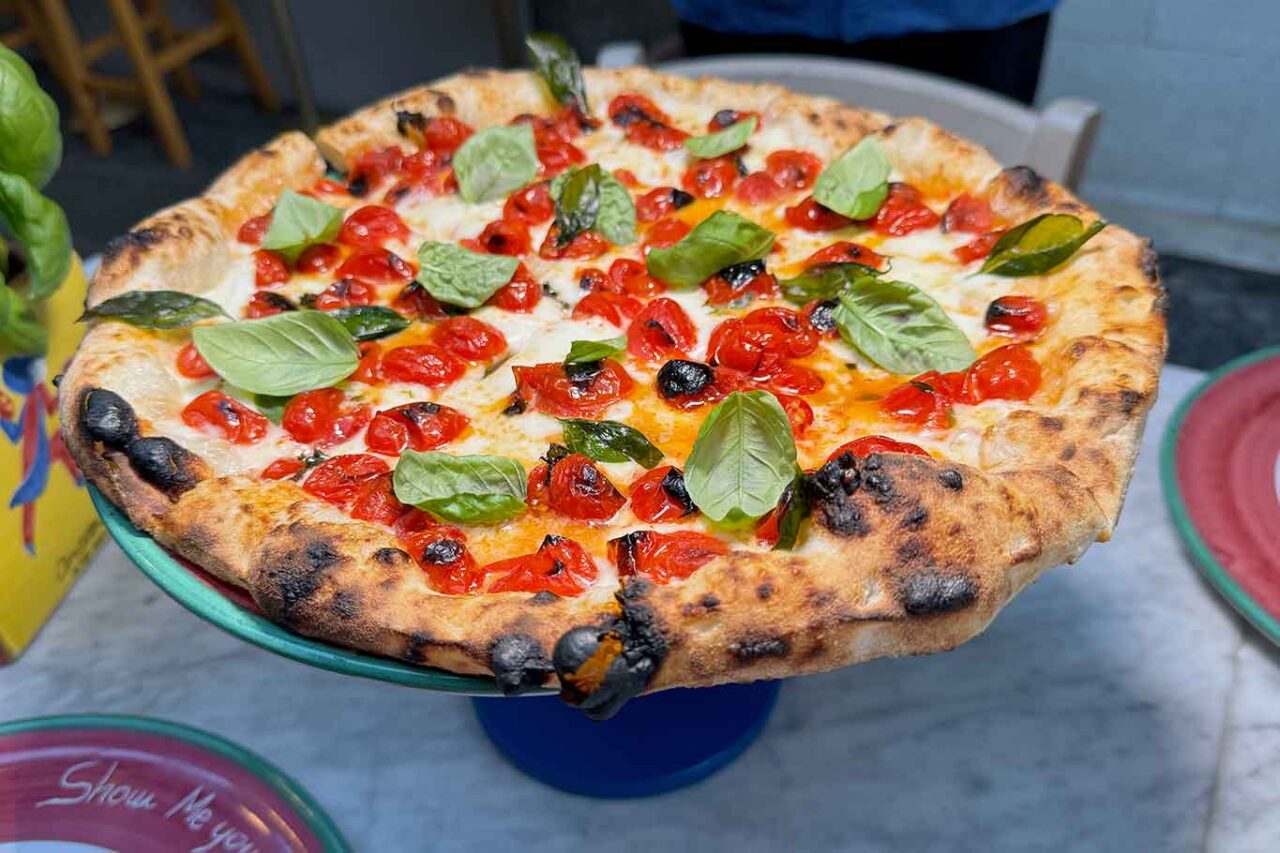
(655, 744)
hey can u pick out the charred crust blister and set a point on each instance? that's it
(1026, 184)
(519, 664)
(296, 576)
(932, 592)
(751, 649)
(134, 241)
(165, 464)
(390, 556)
(107, 418)
(346, 605)
(414, 650)
(951, 479)
(830, 491)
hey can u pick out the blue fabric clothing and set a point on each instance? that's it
(855, 20)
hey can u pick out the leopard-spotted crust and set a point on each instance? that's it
(938, 548)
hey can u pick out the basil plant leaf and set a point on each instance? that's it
(269, 406)
(609, 441)
(722, 142)
(460, 276)
(721, 240)
(21, 332)
(577, 203)
(857, 182)
(559, 67)
(299, 221)
(1038, 245)
(823, 282)
(794, 508)
(464, 489)
(279, 355)
(585, 352)
(30, 140)
(41, 227)
(901, 328)
(495, 161)
(155, 309)
(370, 322)
(615, 212)
(743, 458)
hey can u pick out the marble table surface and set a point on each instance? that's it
(1117, 704)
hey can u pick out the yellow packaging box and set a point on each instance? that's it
(48, 527)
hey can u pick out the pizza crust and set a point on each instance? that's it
(939, 547)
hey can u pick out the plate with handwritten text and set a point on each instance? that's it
(106, 783)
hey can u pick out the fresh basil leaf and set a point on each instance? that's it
(857, 182)
(577, 203)
(722, 142)
(585, 352)
(461, 277)
(615, 217)
(21, 332)
(299, 221)
(41, 227)
(743, 458)
(721, 240)
(280, 355)
(609, 441)
(464, 489)
(154, 309)
(1038, 245)
(30, 141)
(370, 322)
(822, 282)
(901, 328)
(795, 508)
(269, 406)
(559, 67)
(495, 161)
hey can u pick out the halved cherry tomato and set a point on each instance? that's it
(444, 134)
(440, 550)
(656, 204)
(977, 248)
(845, 252)
(468, 338)
(793, 170)
(1010, 372)
(1016, 316)
(326, 186)
(341, 479)
(505, 237)
(554, 156)
(323, 417)
(627, 275)
(611, 307)
(424, 171)
(571, 391)
(660, 495)
(191, 363)
(665, 233)
(372, 167)
(627, 178)
(919, 403)
(371, 226)
(283, 469)
(238, 423)
(418, 426)
(663, 557)
(559, 566)
(376, 501)
(711, 178)
(799, 412)
(521, 294)
(870, 444)
(414, 301)
(645, 124)
(377, 266)
(808, 215)
(346, 293)
(588, 244)
(531, 205)
(740, 284)
(264, 303)
(903, 212)
(662, 330)
(758, 188)
(369, 370)
(966, 213)
(728, 118)
(318, 259)
(269, 268)
(574, 487)
(422, 364)
(253, 229)
(760, 343)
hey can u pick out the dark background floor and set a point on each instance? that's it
(1215, 312)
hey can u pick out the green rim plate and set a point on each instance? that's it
(1213, 570)
(210, 605)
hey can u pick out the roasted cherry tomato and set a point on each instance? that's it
(191, 363)
(966, 213)
(418, 426)
(283, 469)
(627, 178)
(740, 284)
(570, 391)
(1016, 316)
(711, 178)
(414, 301)
(758, 188)
(422, 364)
(903, 211)
(645, 124)
(799, 413)
(426, 172)
(1010, 372)
(611, 307)
(919, 403)
(505, 237)
(665, 233)
(661, 331)
(686, 384)
(253, 229)
(808, 215)
(977, 248)
(870, 444)
(531, 205)
(372, 167)
(845, 252)
(376, 501)
(559, 566)
(656, 204)
(371, 226)
(793, 170)
(377, 266)
(627, 275)
(555, 155)
(238, 423)
(574, 487)
(521, 294)
(760, 343)
(346, 293)
(468, 338)
(444, 134)
(588, 244)
(327, 186)
(442, 553)
(728, 118)
(369, 370)
(269, 268)
(340, 479)
(264, 303)
(323, 417)
(318, 259)
(663, 557)
(660, 495)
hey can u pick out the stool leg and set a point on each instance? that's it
(250, 65)
(56, 36)
(159, 104)
(184, 79)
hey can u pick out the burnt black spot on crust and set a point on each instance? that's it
(407, 120)
(165, 464)
(544, 597)
(1052, 424)
(916, 518)
(390, 556)
(764, 590)
(830, 492)
(1025, 183)
(133, 241)
(296, 575)
(930, 592)
(519, 664)
(106, 417)
(1067, 453)
(346, 605)
(752, 649)
(1130, 401)
(951, 479)
(707, 604)
(444, 103)
(413, 650)
(1149, 263)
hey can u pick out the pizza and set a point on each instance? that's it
(614, 381)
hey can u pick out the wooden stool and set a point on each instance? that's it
(72, 59)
